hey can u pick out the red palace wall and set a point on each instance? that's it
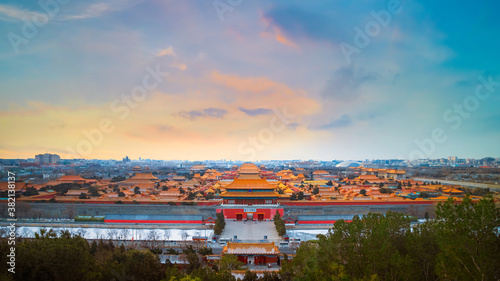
(231, 214)
(259, 259)
(319, 203)
(156, 221)
(319, 222)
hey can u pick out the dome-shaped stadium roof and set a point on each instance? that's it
(347, 164)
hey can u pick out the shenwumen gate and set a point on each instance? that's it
(249, 196)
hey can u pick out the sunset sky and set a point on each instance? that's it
(250, 80)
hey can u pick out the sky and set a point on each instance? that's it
(250, 80)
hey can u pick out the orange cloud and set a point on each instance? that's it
(169, 51)
(262, 92)
(154, 129)
(254, 85)
(275, 32)
(281, 38)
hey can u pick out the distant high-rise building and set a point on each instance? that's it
(452, 160)
(47, 158)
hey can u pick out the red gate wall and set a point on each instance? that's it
(268, 213)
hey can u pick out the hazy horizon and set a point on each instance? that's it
(256, 160)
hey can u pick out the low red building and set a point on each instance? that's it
(253, 253)
(250, 213)
(155, 219)
(289, 220)
(209, 221)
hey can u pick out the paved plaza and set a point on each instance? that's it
(251, 231)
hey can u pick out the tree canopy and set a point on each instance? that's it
(462, 243)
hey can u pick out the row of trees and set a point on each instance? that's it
(62, 188)
(72, 258)
(297, 196)
(462, 243)
(280, 224)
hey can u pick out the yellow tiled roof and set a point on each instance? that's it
(250, 248)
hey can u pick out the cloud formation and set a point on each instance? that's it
(207, 112)
(231, 80)
(341, 122)
(10, 12)
(255, 111)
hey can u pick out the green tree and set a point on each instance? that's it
(93, 247)
(270, 276)
(422, 249)
(190, 196)
(205, 251)
(134, 264)
(467, 235)
(194, 261)
(50, 258)
(219, 223)
(137, 190)
(280, 224)
(305, 264)
(461, 244)
(30, 191)
(250, 276)
(424, 194)
(366, 248)
(300, 196)
(117, 179)
(229, 262)
(93, 191)
(172, 252)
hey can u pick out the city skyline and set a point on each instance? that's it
(250, 81)
(393, 161)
